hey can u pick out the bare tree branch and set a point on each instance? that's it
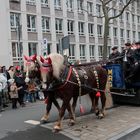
(121, 12)
(108, 2)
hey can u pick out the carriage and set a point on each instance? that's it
(70, 82)
(123, 92)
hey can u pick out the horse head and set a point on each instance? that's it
(50, 68)
(30, 67)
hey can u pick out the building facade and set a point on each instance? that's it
(36, 27)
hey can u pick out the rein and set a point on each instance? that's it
(67, 79)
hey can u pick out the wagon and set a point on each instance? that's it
(121, 91)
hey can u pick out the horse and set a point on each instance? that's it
(86, 79)
(32, 69)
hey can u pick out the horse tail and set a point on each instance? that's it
(109, 101)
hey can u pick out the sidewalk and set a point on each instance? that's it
(117, 123)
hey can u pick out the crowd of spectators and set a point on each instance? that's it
(14, 92)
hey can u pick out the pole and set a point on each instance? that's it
(19, 45)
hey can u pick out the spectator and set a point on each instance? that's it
(1, 106)
(32, 91)
(14, 94)
(3, 84)
(10, 72)
(5, 90)
(20, 82)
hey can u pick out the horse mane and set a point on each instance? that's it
(57, 64)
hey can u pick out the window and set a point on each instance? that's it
(91, 51)
(44, 3)
(134, 35)
(81, 28)
(91, 29)
(57, 4)
(109, 32)
(138, 19)
(31, 2)
(72, 52)
(121, 33)
(89, 7)
(127, 16)
(82, 52)
(57, 48)
(121, 17)
(80, 5)
(32, 47)
(45, 24)
(100, 49)
(17, 51)
(115, 32)
(128, 34)
(133, 17)
(98, 9)
(99, 30)
(58, 25)
(70, 27)
(31, 23)
(14, 19)
(69, 5)
(138, 35)
(114, 12)
(47, 51)
(108, 50)
(121, 1)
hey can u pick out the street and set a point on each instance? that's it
(17, 124)
(120, 123)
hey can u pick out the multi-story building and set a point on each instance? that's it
(26, 24)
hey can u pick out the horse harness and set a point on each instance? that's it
(79, 83)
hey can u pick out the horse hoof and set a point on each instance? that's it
(43, 121)
(97, 113)
(71, 123)
(56, 128)
(100, 116)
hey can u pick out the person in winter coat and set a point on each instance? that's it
(3, 84)
(14, 94)
(20, 82)
(127, 59)
(113, 56)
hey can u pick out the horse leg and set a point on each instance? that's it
(71, 115)
(92, 98)
(65, 105)
(97, 111)
(45, 117)
(103, 101)
(51, 99)
(74, 104)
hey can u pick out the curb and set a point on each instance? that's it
(124, 133)
(67, 134)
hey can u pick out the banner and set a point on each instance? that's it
(115, 75)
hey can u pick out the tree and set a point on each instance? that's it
(108, 18)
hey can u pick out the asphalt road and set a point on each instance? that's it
(36, 133)
(135, 135)
(23, 124)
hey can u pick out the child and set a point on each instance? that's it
(32, 91)
(14, 94)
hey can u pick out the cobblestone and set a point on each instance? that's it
(117, 122)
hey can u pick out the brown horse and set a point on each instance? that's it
(33, 73)
(80, 81)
